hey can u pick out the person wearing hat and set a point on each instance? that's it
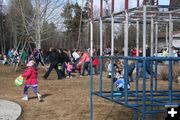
(31, 80)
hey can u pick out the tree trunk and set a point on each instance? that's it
(15, 36)
(38, 44)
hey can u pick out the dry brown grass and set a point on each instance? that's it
(175, 73)
(66, 99)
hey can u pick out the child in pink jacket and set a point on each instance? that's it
(69, 68)
(31, 80)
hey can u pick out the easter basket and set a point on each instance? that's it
(19, 81)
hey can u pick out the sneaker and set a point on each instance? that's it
(25, 98)
(39, 97)
(67, 76)
(70, 76)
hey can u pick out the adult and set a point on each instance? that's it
(76, 56)
(149, 63)
(62, 59)
(95, 63)
(84, 61)
(24, 57)
(134, 52)
(38, 56)
(54, 59)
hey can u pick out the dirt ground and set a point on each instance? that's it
(66, 99)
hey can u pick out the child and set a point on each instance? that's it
(119, 69)
(120, 85)
(69, 68)
(109, 69)
(31, 80)
(4, 60)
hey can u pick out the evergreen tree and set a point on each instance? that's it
(67, 14)
(72, 14)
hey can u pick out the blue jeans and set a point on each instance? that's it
(69, 73)
(149, 69)
(139, 69)
(95, 69)
(130, 71)
(85, 67)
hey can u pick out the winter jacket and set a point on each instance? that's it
(54, 57)
(31, 76)
(95, 62)
(63, 57)
(24, 56)
(69, 67)
(75, 55)
(85, 58)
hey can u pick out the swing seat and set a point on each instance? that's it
(118, 93)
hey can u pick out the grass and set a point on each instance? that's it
(175, 73)
(67, 99)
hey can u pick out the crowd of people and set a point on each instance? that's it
(67, 61)
(132, 66)
(64, 61)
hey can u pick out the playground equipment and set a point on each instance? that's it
(146, 99)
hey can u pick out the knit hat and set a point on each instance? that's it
(30, 63)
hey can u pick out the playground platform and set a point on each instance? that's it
(9, 110)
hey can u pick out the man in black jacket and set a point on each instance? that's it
(54, 59)
(63, 58)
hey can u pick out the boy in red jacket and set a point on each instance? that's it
(31, 80)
